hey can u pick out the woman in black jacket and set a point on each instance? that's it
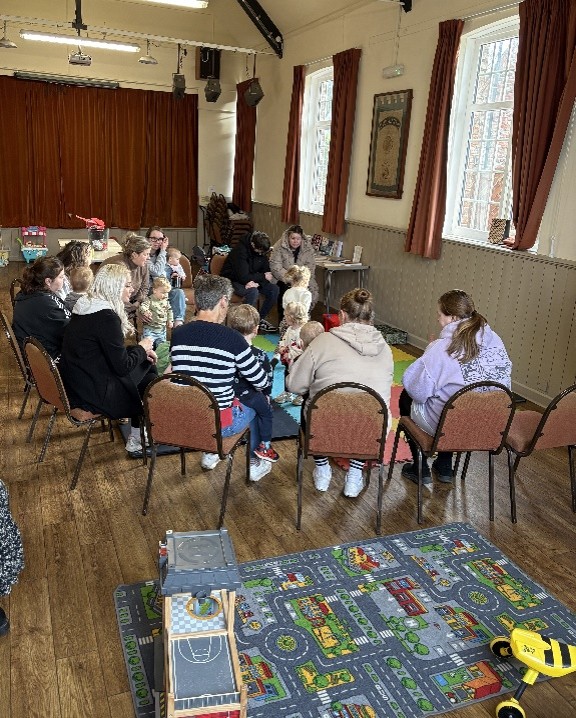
(99, 372)
(38, 310)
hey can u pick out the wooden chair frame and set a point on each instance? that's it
(193, 445)
(515, 456)
(51, 390)
(404, 426)
(24, 370)
(306, 434)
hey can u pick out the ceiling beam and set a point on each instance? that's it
(267, 29)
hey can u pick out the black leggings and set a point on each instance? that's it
(149, 376)
(443, 462)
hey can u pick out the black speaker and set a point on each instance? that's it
(212, 90)
(178, 86)
(407, 5)
(253, 94)
(207, 63)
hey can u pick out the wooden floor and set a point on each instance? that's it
(62, 657)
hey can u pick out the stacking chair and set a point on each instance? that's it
(216, 264)
(347, 420)
(15, 285)
(475, 418)
(24, 370)
(52, 392)
(531, 431)
(180, 395)
(187, 284)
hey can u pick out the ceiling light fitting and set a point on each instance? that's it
(66, 80)
(5, 43)
(147, 59)
(77, 40)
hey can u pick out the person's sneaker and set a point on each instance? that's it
(257, 471)
(266, 327)
(209, 461)
(4, 623)
(410, 472)
(322, 476)
(134, 445)
(267, 453)
(443, 478)
(298, 400)
(284, 398)
(353, 483)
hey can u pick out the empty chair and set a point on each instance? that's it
(181, 395)
(51, 391)
(28, 380)
(346, 420)
(531, 431)
(475, 418)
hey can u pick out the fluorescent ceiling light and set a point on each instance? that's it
(66, 80)
(194, 4)
(81, 41)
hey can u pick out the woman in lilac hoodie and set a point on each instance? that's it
(466, 351)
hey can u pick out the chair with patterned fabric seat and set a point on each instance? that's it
(216, 264)
(346, 420)
(52, 392)
(475, 418)
(531, 431)
(181, 395)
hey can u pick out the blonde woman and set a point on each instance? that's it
(134, 257)
(99, 372)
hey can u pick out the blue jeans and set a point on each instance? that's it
(268, 290)
(241, 417)
(177, 300)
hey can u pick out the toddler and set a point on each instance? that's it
(310, 331)
(298, 278)
(290, 345)
(158, 307)
(174, 270)
(244, 318)
(81, 279)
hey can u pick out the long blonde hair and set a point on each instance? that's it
(108, 285)
(456, 303)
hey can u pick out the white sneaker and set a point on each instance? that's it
(322, 476)
(133, 445)
(209, 461)
(257, 471)
(353, 483)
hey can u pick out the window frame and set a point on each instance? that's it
(310, 126)
(460, 123)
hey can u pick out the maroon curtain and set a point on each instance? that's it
(428, 208)
(244, 150)
(129, 157)
(544, 94)
(346, 68)
(291, 191)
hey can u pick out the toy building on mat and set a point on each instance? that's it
(198, 579)
(33, 242)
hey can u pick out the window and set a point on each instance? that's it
(480, 162)
(315, 141)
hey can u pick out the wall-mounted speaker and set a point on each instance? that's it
(207, 63)
(253, 94)
(178, 86)
(407, 5)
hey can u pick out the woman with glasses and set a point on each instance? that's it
(100, 373)
(157, 265)
(134, 258)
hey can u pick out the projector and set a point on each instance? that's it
(78, 58)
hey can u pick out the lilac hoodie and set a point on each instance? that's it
(435, 376)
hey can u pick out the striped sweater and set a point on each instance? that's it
(214, 354)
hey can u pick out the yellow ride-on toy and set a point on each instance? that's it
(539, 654)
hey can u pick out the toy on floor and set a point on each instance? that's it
(539, 654)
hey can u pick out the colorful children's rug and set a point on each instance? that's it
(397, 626)
(402, 360)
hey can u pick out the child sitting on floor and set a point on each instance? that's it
(290, 345)
(310, 331)
(81, 279)
(244, 318)
(158, 306)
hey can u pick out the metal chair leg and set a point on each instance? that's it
(182, 461)
(572, 476)
(299, 481)
(48, 435)
(248, 454)
(491, 483)
(149, 482)
(380, 498)
(512, 467)
(27, 390)
(81, 457)
(226, 487)
(34, 420)
(393, 457)
(466, 464)
(420, 468)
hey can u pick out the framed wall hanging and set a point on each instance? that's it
(388, 143)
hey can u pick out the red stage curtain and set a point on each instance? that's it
(244, 149)
(544, 94)
(129, 157)
(346, 67)
(429, 206)
(290, 210)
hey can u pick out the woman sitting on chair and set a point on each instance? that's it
(354, 351)
(466, 351)
(100, 374)
(38, 310)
